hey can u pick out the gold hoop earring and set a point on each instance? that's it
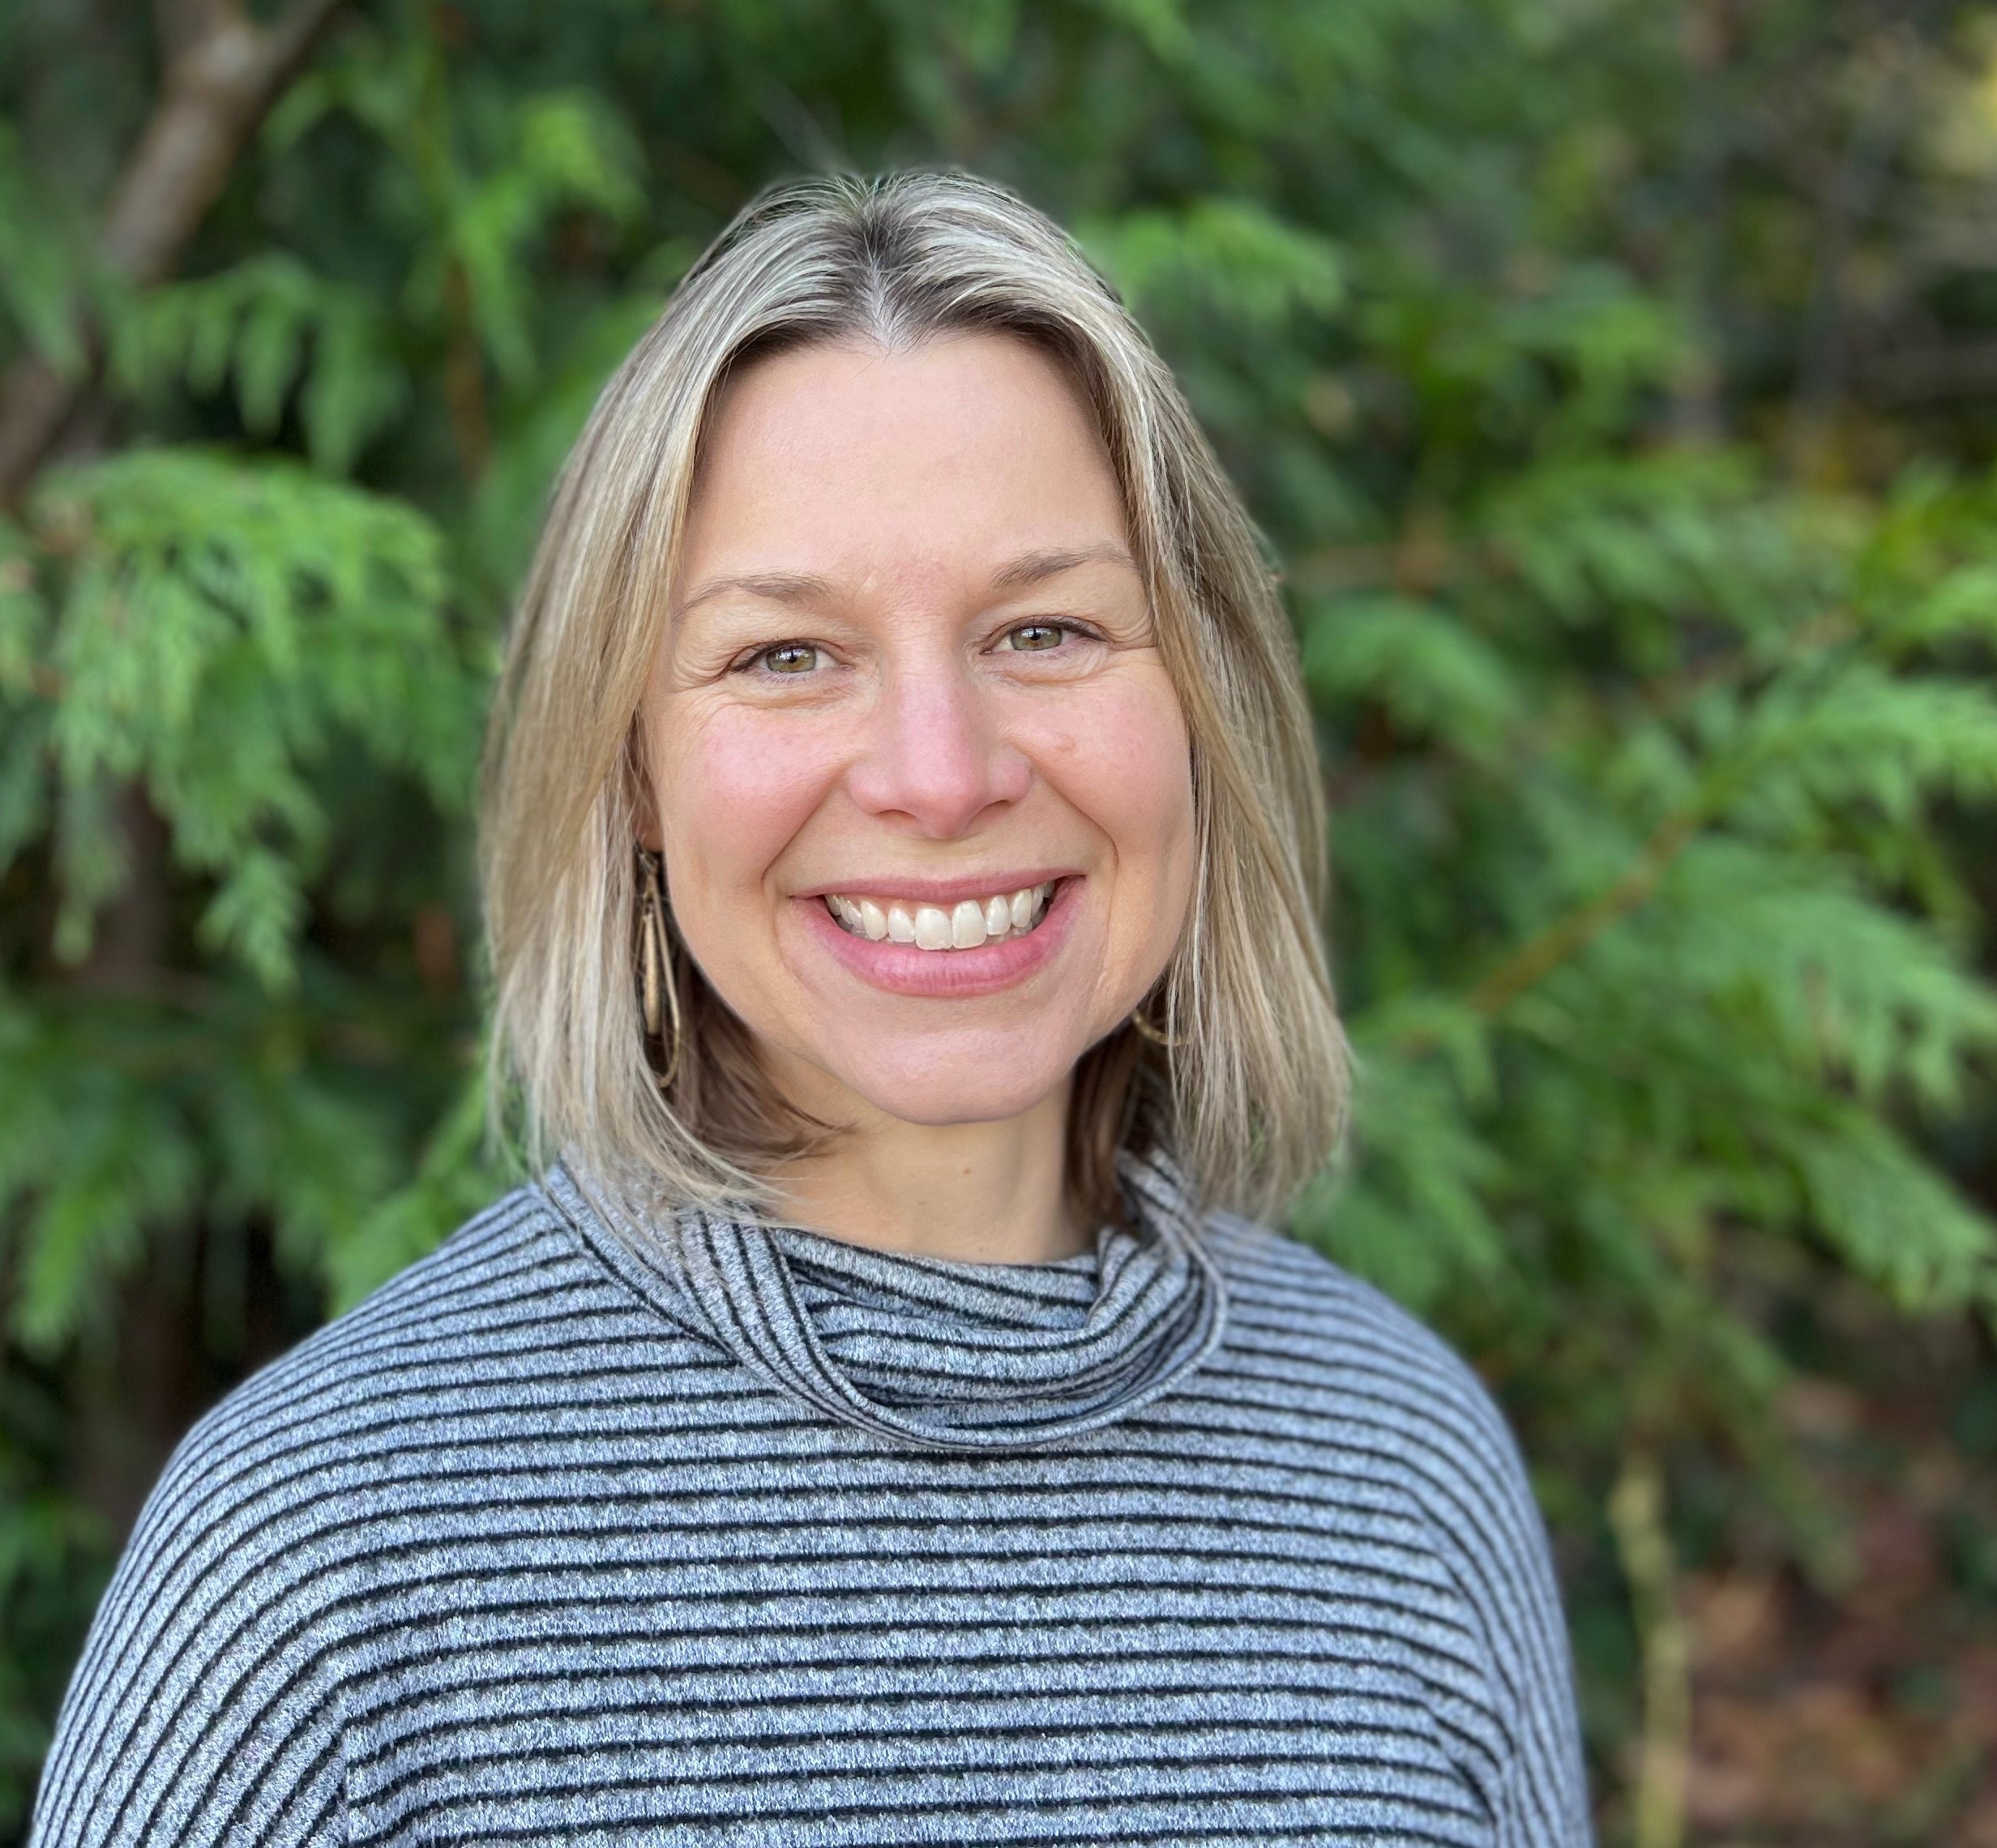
(1146, 1030)
(658, 993)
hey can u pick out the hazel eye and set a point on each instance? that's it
(790, 657)
(1033, 637)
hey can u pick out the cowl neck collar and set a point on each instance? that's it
(930, 1351)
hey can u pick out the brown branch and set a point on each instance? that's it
(464, 376)
(1571, 933)
(1568, 936)
(1664, 694)
(1636, 1515)
(1942, 369)
(1538, 957)
(223, 73)
(1421, 561)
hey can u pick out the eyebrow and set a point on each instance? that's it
(1031, 567)
(772, 587)
(805, 587)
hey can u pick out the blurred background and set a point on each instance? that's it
(1616, 383)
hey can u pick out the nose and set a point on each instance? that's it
(932, 751)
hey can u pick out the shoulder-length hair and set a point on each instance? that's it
(1244, 1082)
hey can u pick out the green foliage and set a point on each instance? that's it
(1231, 252)
(215, 631)
(455, 1177)
(276, 330)
(1429, 674)
(54, 1556)
(39, 262)
(1657, 758)
(473, 223)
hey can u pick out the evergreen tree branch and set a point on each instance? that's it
(1569, 935)
(1566, 937)
(223, 73)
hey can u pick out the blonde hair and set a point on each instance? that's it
(1250, 1095)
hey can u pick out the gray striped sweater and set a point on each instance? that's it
(710, 1532)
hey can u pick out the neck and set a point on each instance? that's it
(977, 1192)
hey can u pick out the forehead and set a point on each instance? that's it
(970, 443)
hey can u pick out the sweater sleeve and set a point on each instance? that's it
(205, 1708)
(1490, 1531)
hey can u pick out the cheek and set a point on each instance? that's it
(736, 786)
(1124, 759)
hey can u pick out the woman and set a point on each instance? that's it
(880, 1424)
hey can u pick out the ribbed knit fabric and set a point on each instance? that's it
(589, 1530)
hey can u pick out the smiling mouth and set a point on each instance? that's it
(968, 926)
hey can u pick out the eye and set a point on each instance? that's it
(1030, 638)
(786, 657)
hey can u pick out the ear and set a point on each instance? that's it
(638, 792)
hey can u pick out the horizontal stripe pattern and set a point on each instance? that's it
(591, 1530)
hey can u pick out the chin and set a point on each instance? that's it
(990, 1086)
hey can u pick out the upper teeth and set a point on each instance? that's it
(932, 927)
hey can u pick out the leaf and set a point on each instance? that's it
(255, 914)
(1891, 1216)
(455, 1178)
(1861, 734)
(45, 271)
(567, 151)
(1962, 604)
(221, 627)
(1410, 1210)
(126, 1164)
(1234, 252)
(282, 331)
(1161, 24)
(1844, 985)
(1432, 672)
(1675, 533)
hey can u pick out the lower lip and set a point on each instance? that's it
(901, 969)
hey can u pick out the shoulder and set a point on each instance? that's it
(494, 1279)
(247, 1562)
(1372, 1382)
(487, 1301)
(1357, 1375)
(1288, 1300)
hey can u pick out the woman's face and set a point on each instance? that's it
(923, 786)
